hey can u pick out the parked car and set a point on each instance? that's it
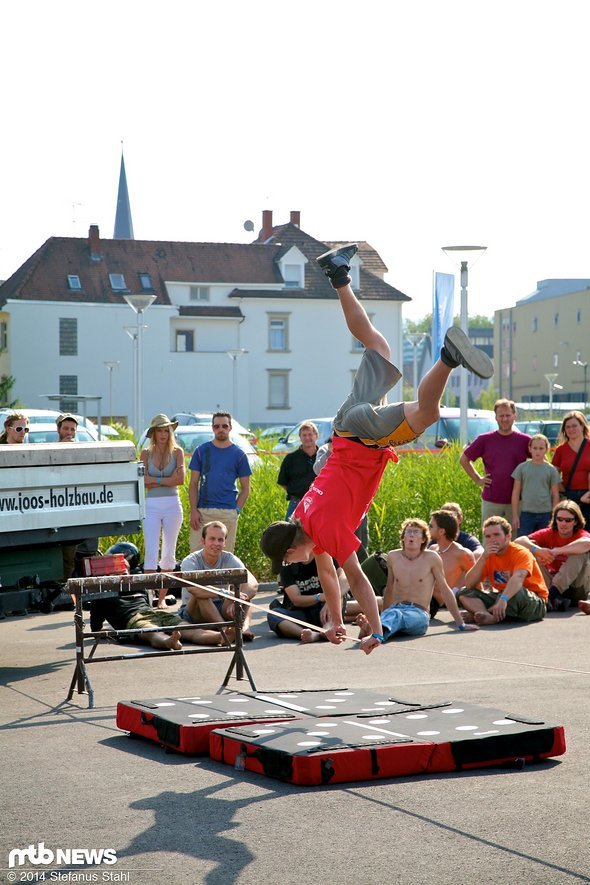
(47, 433)
(549, 428)
(274, 432)
(444, 431)
(187, 418)
(47, 417)
(189, 436)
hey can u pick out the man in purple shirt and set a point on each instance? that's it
(501, 451)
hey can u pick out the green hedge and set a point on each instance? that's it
(415, 486)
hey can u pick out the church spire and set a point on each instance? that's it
(123, 223)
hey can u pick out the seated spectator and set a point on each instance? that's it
(296, 472)
(302, 599)
(514, 589)
(456, 560)
(562, 551)
(470, 542)
(536, 489)
(412, 572)
(199, 606)
(132, 611)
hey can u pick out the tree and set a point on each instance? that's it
(6, 383)
(425, 324)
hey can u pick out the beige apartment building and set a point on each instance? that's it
(546, 333)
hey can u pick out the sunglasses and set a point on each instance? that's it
(20, 429)
(220, 426)
(565, 518)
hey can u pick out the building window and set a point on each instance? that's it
(145, 281)
(293, 276)
(514, 329)
(68, 386)
(3, 335)
(357, 346)
(185, 342)
(68, 336)
(556, 320)
(578, 316)
(74, 281)
(534, 324)
(198, 293)
(555, 360)
(535, 363)
(117, 282)
(278, 389)
(355, 278)
(278, 332)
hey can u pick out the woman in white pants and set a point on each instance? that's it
(164, 467)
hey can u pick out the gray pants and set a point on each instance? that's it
(573, 578)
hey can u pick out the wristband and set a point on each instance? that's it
(378, 636)
(460, 626)
(317, 597)
(159, 480)
(534, 548)
(238, 510)
(503, 596)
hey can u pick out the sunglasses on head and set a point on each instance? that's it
(565, 518)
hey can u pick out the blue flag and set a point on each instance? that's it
(442, 309)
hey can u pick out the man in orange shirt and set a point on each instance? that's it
(514, 588)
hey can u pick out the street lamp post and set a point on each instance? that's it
(111, 364)
(415, 338)
(234, 356)
(583, 365)
(139, 303)
(465, 257)
(551, 378)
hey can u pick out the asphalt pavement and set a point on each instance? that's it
(72, 781)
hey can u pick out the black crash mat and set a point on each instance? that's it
(430, 739)
(184, 723)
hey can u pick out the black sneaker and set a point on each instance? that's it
(459, 351)
(562, 604)
(336, 264)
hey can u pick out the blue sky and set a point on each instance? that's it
(410, 125)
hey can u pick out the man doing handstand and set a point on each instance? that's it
(365, 430)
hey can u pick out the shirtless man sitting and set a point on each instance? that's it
(412, 572)
(457, 560)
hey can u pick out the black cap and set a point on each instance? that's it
(275, 542)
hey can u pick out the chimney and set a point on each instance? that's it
(94, 242)
(295, 218)
(266, 230)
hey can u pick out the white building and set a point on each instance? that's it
(255, 328)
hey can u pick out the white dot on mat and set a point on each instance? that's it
(165, 704)
(324, 707)
(347, 694)
(196, 697)
(239, 700)
(503, 722)
(199, 716)
(329, 724)
(317, 733)
(272, 710)
(453, 710)
(417, 716)
(370, 710)
(308, 743)
(385, 703)
(337, 700)
(379, 721)
(482, 733)
(287, 696)
(264, 730)
(372, 737)
(201, 702)
(426, 733)
(237, 713)
(467, 728)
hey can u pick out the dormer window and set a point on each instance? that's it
(199, 293)
(145, 281)
(74, 282)
(293, 275)
(117, 282)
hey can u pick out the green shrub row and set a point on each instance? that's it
(418, 484)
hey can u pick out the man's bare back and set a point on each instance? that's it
(456, 562)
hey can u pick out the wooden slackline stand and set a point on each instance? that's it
(95, 588)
